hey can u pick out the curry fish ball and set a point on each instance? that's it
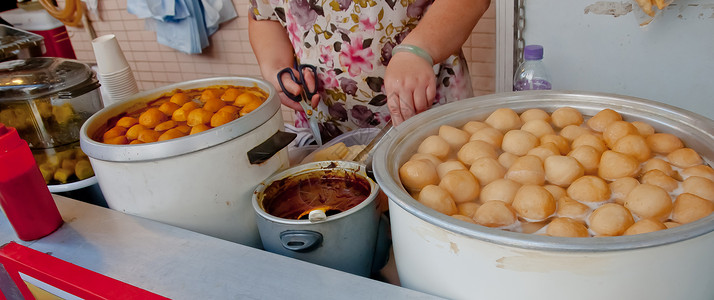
(533, 202)
(616, 130)
(127, 122)
(489, 135)
(198, 116)
(114, 132)
(487, 169)
(566, 227)
(700, 170)
(152, 117)
(689, 208)
(148, 136)
(657, 164)
(535, 114)
(519, 142)
(610, 219)
(133, 132)
(591, 140)
(437, 199)
(168, 108)
(571, 132)
(588, 157)
(461, 185)
(560, 142)
(445, 167)
(500, 189)
(645, 226)
(567, 207)
(565, 116)
(643, 128)
(495, 214)
(467, 208)
(658, 178)
(171, 134)
(538, 128)
(633, 145)
(544, 151)
(614, 165)
(684, 158)
(504, 119)
(663, 143)
(453, 136)
(589, 189)
(474, 150)
(199, 128)
(649, 201)
(222, 117)
(435, 145)
(527, 170)
(474, 126)
(562, 170)
(506, 159)
(602, 119)
(699, 186)
(416, 174)
(213, 105)
(180, 98)
(621, 187)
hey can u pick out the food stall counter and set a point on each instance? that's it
(181, 264)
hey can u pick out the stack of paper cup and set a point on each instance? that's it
(114, 72)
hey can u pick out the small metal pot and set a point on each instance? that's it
(345, 241)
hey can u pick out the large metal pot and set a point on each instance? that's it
(443, 256)
(201, 182)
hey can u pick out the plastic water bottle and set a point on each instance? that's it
(532, 74)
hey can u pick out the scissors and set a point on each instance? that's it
(304, 97)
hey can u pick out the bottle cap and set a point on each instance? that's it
(9, 138)
(533, 52)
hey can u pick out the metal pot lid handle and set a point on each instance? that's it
(269, 147)
(300, 240)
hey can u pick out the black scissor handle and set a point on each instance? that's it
(301, 69)
(290, 95)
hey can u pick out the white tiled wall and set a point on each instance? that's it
(155, 65)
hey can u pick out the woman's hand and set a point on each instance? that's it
(296, 89)
(410, 84)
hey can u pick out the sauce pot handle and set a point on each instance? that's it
(300, 240)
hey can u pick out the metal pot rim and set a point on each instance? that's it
(386, 166)
(359, 169)
(182, 145)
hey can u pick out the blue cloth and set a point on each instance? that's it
(184, 25)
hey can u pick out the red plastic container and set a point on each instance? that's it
(24, 196)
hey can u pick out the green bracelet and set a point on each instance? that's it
(413, 50)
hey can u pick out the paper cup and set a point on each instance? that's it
(110, 58)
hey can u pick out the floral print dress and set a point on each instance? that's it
(350, 42)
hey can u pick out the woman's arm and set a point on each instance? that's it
(274, 52)
(409, 79)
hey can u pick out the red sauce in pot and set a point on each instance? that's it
(296, 197)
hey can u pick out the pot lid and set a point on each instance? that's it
(25, 79)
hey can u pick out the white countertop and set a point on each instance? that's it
(182, 264)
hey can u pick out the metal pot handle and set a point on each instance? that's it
(300, 240)
(269, 147)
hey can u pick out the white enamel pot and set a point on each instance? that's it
(446, 257)
(201, 182)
